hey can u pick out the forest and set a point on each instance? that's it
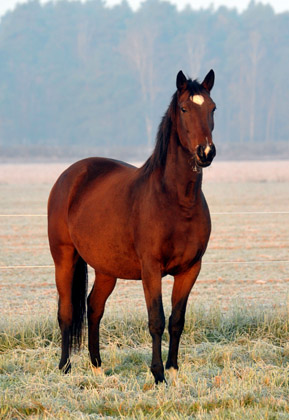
(83, 79)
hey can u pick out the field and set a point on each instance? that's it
(234, 353)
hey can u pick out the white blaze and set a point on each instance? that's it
(207, 150)
(197, 99)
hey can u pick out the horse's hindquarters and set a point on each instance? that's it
(100, 224)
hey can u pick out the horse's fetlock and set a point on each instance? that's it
(171, 365)
(158, 372)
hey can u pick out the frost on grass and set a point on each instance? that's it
(232, 365)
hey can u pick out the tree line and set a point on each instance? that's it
(81, 77)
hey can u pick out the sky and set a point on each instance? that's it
(278, 5)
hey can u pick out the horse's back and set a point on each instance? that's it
(79, 175)
(90, 169)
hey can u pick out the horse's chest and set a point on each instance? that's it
(185, 244)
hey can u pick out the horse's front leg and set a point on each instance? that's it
(151, 278)
(182, 286)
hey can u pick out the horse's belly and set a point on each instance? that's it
(107, 250)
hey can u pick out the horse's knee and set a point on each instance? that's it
(176, 324)
(157, 326)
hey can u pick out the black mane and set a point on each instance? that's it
(159, 155)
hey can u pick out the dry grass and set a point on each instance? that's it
(233, 366)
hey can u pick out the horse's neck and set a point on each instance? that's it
(181, 177)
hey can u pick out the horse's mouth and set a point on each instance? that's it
(202, 164)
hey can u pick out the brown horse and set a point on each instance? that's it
(135, 223)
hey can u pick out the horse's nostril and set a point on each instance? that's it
(200, 152)
(212, 152)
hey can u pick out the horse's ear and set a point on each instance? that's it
(209, 80)
(181, 81)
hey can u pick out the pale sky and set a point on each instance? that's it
(278, 5)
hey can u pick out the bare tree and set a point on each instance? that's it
(196, 47)
(138, 47)
(255, 54)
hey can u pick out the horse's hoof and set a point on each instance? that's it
(159, 378)
(159, 381)
(158, 372)
(65, 367)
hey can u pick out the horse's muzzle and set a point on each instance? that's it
(205, 155)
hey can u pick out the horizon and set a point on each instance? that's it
(241, 5)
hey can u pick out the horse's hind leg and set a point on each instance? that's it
(102, 288)
(64, 272)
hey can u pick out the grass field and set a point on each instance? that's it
(234, 355)
(233, 366)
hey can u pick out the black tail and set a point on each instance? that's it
(78, 298)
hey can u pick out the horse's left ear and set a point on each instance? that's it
(209, 80)
(181, 81)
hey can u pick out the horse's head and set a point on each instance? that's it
(195, 117)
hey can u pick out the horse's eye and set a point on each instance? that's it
(183, 109)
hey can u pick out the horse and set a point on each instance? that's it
(135, 223)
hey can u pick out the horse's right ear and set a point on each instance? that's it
(181, 81)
